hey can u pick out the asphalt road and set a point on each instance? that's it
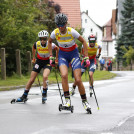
(116, 114)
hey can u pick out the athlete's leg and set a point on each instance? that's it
(28, 86)
(65, 86)
(91, 79)
(46, 73)
(83, 69)
(64, 76)
(31, 80)
(78, 81)
(91, 72)
(63, 66)
(77, 75)
(92, 69)
(36, 69)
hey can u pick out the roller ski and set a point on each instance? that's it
(67, 106)
(86, 107)
(91, 91)
(23, 98)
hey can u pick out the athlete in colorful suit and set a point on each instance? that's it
(68, 53)
(42, 61)
(92, 51)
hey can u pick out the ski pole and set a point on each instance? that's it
(58, 85)
(39, 83)
(94, 92)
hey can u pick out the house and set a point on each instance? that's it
(72, 9)
(107, 42)
(90, 27)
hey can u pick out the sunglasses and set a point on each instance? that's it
(91, 41)
(43, 39)
(61, 25)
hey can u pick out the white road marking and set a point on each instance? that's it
(123, 121)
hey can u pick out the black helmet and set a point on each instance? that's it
(61, 19)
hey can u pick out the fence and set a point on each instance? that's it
(18, 63)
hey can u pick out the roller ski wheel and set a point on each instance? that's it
(89, 111)
(13, 101)
(61, 107)
(91, 94)
(44, 100)
(25, 100)
(72, 109)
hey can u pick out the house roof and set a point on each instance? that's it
(107, 32)
(91, 20)
(108, 24)
(72, 9)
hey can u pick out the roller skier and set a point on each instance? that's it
(41, 62)
(68, 52)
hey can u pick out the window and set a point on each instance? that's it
(104, 32)
(85, 20)
(91, 30)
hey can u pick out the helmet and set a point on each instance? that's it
(61, 19)
(43, 33)
(92, 37)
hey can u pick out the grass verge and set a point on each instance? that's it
(15, 81)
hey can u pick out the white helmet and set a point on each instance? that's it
(43, 33)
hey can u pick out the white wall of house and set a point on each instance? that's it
(114, 45)
(90, 27)
(108, 49)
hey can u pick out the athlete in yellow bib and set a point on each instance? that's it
(92, 51)
(42, 61)
(68, 53)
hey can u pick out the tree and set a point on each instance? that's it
(127, 24)
(129, 55)
(126, 38)
(20, 24)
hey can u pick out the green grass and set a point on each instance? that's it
(14, 81)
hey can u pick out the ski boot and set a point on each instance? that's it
(72, 92)
(44, 97)
(86, 106)
(91, 91)
(67, 106)
(23, 98)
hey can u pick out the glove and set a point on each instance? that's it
(52, 61)
(33, 60)
(98, 56)
(86, 62)
(56, 62)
